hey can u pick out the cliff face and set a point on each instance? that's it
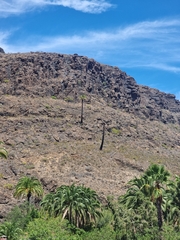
(68, 76)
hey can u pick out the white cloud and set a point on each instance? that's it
(4, 35)
(153, 44)
(9, 7)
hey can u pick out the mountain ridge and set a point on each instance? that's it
(63, 75)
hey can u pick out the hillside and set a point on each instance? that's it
(40, 110)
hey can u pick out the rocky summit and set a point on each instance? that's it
(60, 75)
(40, 116)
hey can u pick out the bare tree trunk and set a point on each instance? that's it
(82, 103)
(103, 133)
(28, 197)
(158, 206)
(159, 213)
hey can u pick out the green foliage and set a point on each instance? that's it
(80, 205)
(115, 131)
(147, 186)
(6, 80)
(105, 219)
(10, 231)
(154, 190)
(74, 212)
(69, 99)
(105, 233)
(131, 223)
(9, 186)
(171, 204)
(3, 152)
(29, 165)
(170, 233)
(83, 97)
(21, 215)
(28, 186)
(157, 173)
(48, 229)
(53, 97)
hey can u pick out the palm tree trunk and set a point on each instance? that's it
(159, 213)
(82, 107)
(103, 133)
(28, 197)
(158, 206)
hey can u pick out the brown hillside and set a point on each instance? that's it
(40, 111)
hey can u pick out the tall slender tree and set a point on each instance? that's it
(149, 186)
(103, 134)
(159, 175)
(83, 97)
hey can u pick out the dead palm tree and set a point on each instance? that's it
(103, 134)
(83, 97)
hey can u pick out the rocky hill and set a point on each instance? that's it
(40, 108)
(67, 76)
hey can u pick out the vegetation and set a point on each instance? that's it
(3, 152)
(28, 186)
(78, 204)
(150, 209)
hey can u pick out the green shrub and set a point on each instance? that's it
(47, 229)
(21, 215)
(69, 99)
(9, 186)
(53, 97)
(115, 131)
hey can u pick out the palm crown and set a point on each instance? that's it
(78, 204)
(28, 186)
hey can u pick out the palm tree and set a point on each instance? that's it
(49, 203)
(171, 204)
(148, 187)
(157, 172)
(158, 175)
(28, 186)
(78, 204)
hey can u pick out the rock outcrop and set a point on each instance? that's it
(1, 50)
(69, 76)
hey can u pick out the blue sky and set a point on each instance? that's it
(141, 37)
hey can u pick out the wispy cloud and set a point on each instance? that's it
(11, 7)
(153, 44)
(4, 35)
